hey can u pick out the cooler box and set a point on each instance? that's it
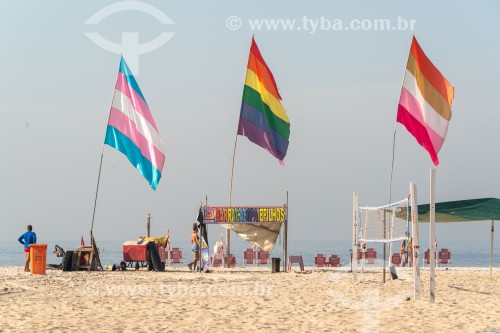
(38, 257)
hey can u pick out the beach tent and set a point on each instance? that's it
(471, 210)
(259, 226)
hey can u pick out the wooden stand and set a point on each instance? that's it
(86, 258)
(83, 259)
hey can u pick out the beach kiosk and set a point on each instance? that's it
(260, 226)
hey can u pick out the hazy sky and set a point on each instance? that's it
(340, 88)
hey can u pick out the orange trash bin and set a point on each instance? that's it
(38, 258)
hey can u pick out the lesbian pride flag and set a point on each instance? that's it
(132, 129)
(263, 120)
(425, 103)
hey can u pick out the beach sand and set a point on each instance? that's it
(247, 300)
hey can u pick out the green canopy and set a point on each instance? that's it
(486, 209)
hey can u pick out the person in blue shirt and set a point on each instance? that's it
(28, 238)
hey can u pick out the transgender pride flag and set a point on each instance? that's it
(425, 103)
(132, 129)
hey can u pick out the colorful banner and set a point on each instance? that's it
(244, 214)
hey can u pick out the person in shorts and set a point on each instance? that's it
(195, 247)
(28, 238)
(403, 253)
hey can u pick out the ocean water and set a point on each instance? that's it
(464, 253)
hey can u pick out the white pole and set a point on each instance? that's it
(285, 243)
(384, 247)
(355, 221)
(491, 247)
(432, 236)
(415, 246)
(363, 248)
(392, 236)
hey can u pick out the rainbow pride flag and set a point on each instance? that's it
(132, 129)
(425, 103)
(263, 120)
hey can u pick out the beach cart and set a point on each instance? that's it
(139, 255)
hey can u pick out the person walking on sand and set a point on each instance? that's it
(195, 247)
(403, 253)
(409, 251)
(28, 238)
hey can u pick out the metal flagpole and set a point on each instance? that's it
(232, 171)
(390, 182)
(392, 163)
(98, 179)
(391, 237)
(285, 240)
(491, 247)
(355, 242)
(206, 240)
(228, 231)
(95, 200)
(363, 250)
(415, 242)
(390, 190)
(432, 230)
(384, 247)
(394, 142)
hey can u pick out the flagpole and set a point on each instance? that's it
(392, 172)
(99, 177)
(432, 236)
(228, 231)
(390, 192)
(232, 171)
(392, 163)
(96, 192)
(394, 138)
